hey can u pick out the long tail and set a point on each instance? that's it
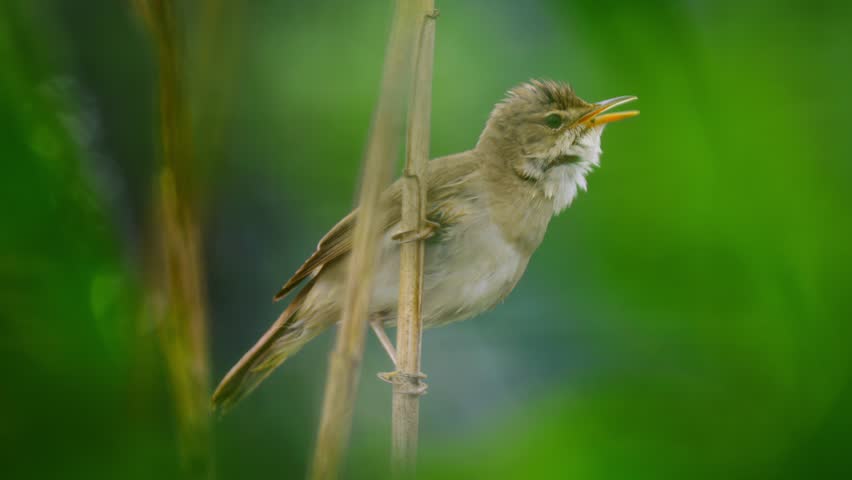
(286, 336)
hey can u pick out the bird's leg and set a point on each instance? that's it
(424, 233)
(378, 327)
(391, 377)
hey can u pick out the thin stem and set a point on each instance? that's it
(177, 276)
(407, 385)
(382, 146)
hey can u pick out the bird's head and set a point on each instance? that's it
(548, 135)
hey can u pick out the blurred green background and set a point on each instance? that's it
(689, 317)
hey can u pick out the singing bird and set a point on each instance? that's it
(488, 209)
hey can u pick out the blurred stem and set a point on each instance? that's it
(382, 147)
(214, 48)
(176, 280)
(407, 385)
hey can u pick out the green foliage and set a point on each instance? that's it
(688, 317)
(82, 395)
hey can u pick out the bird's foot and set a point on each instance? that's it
(428, 230)
(411, 382)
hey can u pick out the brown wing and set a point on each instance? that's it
(338, 241)
(445, 178)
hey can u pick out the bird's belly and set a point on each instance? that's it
(477, 279)
(468, 272)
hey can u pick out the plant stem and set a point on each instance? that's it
(407, 387)
(176, 277)
(382, 147)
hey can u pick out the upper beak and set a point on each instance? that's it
(597, 116)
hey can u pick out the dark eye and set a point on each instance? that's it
(553, 120)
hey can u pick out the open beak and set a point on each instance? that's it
(597, 116)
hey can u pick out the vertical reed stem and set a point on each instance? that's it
(176, 283)
(382, 147)
(407, 387)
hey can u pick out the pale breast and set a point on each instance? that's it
(469, 269)
(469, 274)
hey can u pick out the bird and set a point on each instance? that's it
(487, 211)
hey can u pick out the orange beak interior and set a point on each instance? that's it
(597, 115)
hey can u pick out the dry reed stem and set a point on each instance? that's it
(407, 385)
(176, 280)
(382, 147)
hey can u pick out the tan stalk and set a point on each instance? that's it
(407, 385)
(176, 278)
(382, 147)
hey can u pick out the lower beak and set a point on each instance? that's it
(597, 116)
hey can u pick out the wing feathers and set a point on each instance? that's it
(334, 244)
(445, 178)
(338, 242)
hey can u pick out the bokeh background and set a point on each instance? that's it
(689, 317)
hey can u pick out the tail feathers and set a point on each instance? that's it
(283, 339)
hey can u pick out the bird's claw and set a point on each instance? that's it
(411, 382)
(390, 376)
(428, 230)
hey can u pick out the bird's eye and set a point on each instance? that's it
(553, 120)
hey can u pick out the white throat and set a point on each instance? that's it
(562, 183)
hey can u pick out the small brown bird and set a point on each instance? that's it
(489, 209)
